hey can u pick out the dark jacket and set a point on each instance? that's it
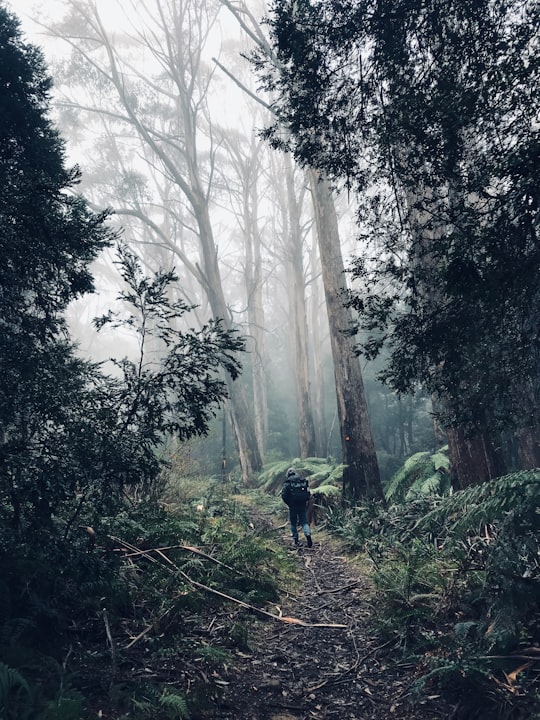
(295, 492)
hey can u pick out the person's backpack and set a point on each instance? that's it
(298, 491)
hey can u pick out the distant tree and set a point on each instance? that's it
(427, 110)
(245, 157)
(290, 194)
(162, 107)
(361, 477)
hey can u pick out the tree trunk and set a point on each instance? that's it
(361, 478)
(243, 426)
(528, 447)
(255, 310)
(298, 319)
(473, 459)
(528, 431)
(316, 355)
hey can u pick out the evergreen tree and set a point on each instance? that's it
(48, 237)
(427, 110)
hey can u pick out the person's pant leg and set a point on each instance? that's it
(302, 518)
(293, 519)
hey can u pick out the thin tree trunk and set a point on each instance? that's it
(316, 355)
(255, 310)
(361, 477)
(297, 300)
(243, 426)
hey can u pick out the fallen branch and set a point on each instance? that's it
(340, 589)
(187, 548)
(147, 630)
(110, 640)
(281, 618)
(194, 583)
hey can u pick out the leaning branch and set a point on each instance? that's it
(281, 618)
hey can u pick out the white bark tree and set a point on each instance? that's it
(152, 82)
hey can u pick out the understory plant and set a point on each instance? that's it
(458, 581)
(160, 576)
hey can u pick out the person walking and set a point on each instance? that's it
(295, 494)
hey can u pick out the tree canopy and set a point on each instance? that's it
(73, 438)
(427, 111)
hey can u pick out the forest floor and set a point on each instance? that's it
(324, 659)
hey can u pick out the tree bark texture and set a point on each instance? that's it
(361, 478)
(298, 319)
(473, 459)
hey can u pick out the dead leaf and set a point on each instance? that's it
(512, 677)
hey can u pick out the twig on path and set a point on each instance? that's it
(110, 640)
(187, 548)
(336, 679)
(147, 629)
(174, 568)
(308, 566)
(340, 589)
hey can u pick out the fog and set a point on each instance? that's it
(162, 112)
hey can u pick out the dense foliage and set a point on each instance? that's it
(428, 110)
(457, 586)
(75, 443)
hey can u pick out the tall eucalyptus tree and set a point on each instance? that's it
(429, 111)
(361, 477)
(150, 80)
(245, 157)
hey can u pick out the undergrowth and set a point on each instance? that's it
(145, 623)
(458, 583)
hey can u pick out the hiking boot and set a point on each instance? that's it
(296, 542)
(309, 540)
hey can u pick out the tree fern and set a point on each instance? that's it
(488, 502)
(421, 474)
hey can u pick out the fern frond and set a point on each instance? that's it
(11, 683)
(421, 474)
(488, 502)
(327, 491)
(406, 475)
(336, 476)
(440, 461)
(318, 478)
(175, 705)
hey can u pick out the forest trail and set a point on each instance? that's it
(332, 667)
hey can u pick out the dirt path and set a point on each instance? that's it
(316, 671)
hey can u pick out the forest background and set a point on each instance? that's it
(219, 210)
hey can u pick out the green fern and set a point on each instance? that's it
(317, 470)
(421, 474)
(14, 694)
(175, 705)
(486, 503)
(328, 491)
